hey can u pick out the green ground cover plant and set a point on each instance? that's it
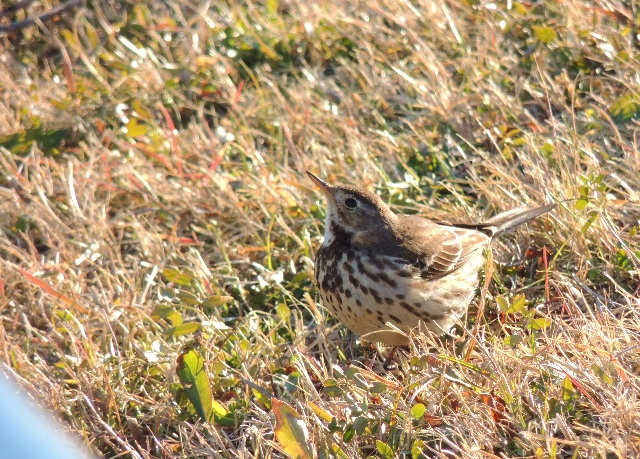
(157, 230)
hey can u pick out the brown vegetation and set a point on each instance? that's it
(153, 200)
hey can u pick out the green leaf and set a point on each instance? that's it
(135, 128)
(284, 313)
(338, 452)
(177, 277)
(544, 34)
(589, 222)
(184, 329)
(348, 434)
(626, 108)
(539, 324)
(215, 301)
(417, 411)
(272, 6)
(92, 35)
(603, 375)
(70, 38)
(581, 203)
(261, 397)
(140, 110)
(291, 431)
(188, 298)
(568, 393)
(62, 104)
(168, 313)
(64, 314)
(360, 424)
(351, 372)
(503, 304)
(583, 190)
(518, 304)
(378, 388)
(384, 449)
(361, 382)
(293, 382)
(191, 373)
(417, 450)
(512, 340)
(331, 388)
(321, 412)
(519, 9)
(218, 408)
(48, 140)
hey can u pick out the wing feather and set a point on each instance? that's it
(435, 250)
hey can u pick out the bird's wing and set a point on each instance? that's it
(435, 249)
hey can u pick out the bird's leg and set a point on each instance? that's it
(352, 342)
(389, 360)
(369, 353)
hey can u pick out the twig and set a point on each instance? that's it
(120, 441)
(18, 6)
(55, 11)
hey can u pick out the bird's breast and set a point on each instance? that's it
(366, 291)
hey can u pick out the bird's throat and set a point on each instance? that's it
(329, 235)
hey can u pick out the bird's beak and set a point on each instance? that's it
(324, 186)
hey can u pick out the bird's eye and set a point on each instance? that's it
(351, 203)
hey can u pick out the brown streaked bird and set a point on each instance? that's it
(376, 267)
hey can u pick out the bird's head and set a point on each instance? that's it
(358, 213)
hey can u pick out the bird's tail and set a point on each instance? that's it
(515, 217)
(505, 221)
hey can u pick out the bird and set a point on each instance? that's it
(386, 275)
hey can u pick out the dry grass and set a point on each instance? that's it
(153, 153)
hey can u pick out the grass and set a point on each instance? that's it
(158, 230)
